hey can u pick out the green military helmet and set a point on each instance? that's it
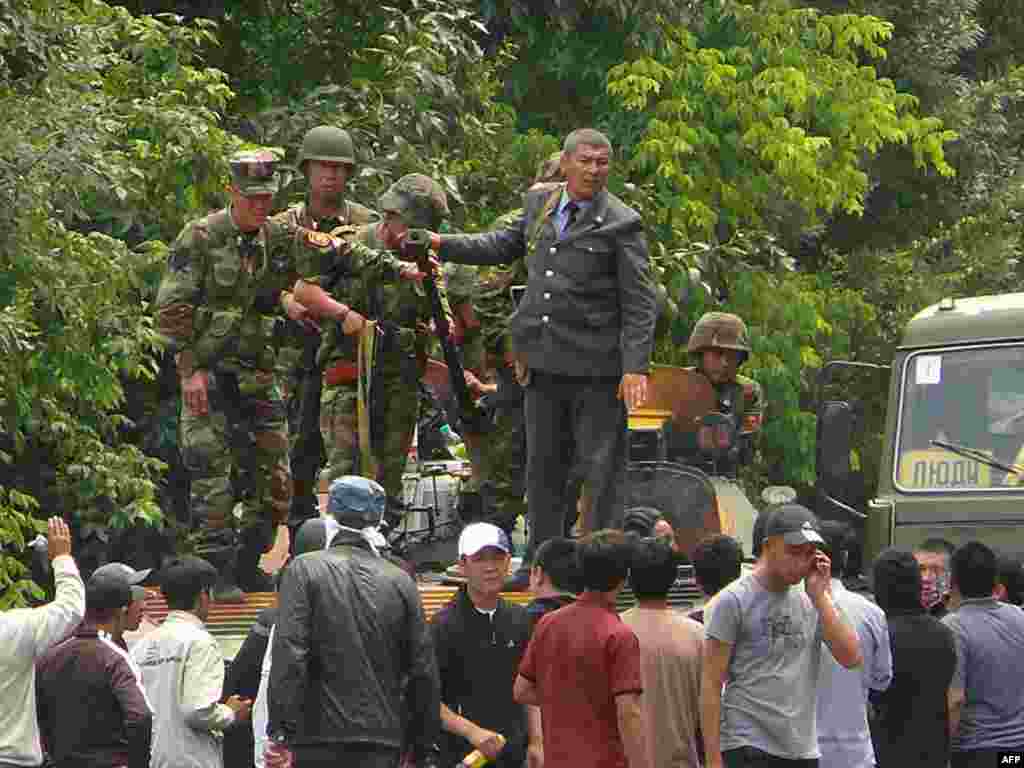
(254, 171)
(328, 143)
(720, 330)
(418, 199)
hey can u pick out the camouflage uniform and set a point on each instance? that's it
(741, 398)
(323, 143)
(400, 308)
(217, 305)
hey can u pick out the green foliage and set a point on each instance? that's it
(767, 103)
(115, 137)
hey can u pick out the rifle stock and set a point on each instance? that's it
(471, 418)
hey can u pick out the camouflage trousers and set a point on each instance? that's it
(499, 461)
(340, 431)
(238, 450)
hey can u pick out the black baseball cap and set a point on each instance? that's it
(104, 592)
(128, 575)
(795, 524)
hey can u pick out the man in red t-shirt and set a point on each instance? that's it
(583, 668)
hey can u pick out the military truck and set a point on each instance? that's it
(954, 432)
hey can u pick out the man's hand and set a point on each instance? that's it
(277, 755)
(58, 537)
(535, 755)
(633, 389)
(819, 580)
(298, 313)
(241, 707)
(412, 273)
(488, 742)
(194, 391)
(353, 323)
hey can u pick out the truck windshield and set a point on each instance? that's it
(973, 398)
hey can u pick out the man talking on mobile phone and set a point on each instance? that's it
(762, 651)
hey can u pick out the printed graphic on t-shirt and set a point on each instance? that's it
(783, 631)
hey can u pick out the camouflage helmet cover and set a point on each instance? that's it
(326, 142)
(254, 171)
(418, 199)
(719, 330)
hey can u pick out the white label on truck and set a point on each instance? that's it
(929, 369)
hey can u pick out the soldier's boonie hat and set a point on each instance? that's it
(418, 199)
(254, 172)
(356, 501)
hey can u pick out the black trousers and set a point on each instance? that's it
(747, 757)
(587, 410)
(347, 756)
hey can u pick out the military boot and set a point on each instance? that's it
(220, 549)
(253, 543)
(226, 590)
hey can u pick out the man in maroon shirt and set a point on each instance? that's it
(583, 668)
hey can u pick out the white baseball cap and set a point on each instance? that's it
(477, 536)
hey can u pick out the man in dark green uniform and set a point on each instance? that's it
(217, 306)
(719, 345)
(370, 434)
(327, 160)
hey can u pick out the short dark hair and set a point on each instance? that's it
(1011, 575)
(604, 558)
(974, 570)
(182, 579)
(587, 137)
(757, 535)
(717, 561)
(837, 544)
(557, 559)
(936, 546)
(101, 615)
(897, 582)
(654, 569)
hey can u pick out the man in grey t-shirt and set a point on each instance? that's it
(762, 651)
(986, 697)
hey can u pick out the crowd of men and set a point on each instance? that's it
(783, 666)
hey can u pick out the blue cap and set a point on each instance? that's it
(356, 501)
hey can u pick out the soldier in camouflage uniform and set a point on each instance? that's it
(217, 306)
(402, 312)
(720, 344)
(327, 160)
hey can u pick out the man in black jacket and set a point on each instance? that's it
(911, 724)
(92, 710)
(584, 330)
(353, 660)
(480, 640)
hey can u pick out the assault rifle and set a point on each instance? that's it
(470, 417)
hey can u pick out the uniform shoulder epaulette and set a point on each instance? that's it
(360, 214)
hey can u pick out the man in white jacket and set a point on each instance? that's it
(183, 673)
(25, 635)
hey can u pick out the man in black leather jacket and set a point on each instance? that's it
(354, 669)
